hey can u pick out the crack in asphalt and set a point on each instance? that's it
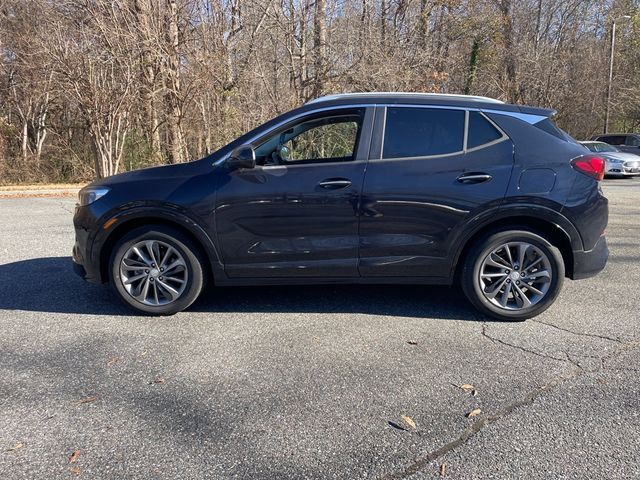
(64, 207)
(582, 334)
(470, 431)
(518, 347)
(420, 462)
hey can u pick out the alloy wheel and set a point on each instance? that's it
(515, 276)
(153, 272)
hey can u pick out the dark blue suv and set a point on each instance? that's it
(359, 188)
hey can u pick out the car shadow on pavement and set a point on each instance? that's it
(50, 285)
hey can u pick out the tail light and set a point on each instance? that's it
(590, 165)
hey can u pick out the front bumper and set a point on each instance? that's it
(626, 169)
(590, 263)
(84, 222)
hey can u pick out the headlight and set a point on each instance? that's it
(616, 161)
(90, 194)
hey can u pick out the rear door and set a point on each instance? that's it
(432, 170)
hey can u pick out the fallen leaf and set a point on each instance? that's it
(467, 387)
(90, 399)
(157, 380)
(397, 426)
(474, 392)
(76, 470)
(74, 456)
(17, 446)
(409, 421)
(144, 354)
(443, 469)
(113, 361)
(474, 412)
(412, 342)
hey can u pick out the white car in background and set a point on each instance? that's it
(617, 163)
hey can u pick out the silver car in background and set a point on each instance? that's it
(617, 163)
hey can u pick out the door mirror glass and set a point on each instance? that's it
(242, 157)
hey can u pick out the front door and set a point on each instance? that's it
(296, 213)
(432, 170)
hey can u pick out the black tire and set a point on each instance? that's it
(470, 275)
(191, 254)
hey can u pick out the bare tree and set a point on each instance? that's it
(99, 86)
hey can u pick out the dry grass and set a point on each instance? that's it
(42, 186)
(60, 194)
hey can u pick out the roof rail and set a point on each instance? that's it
(443, 96)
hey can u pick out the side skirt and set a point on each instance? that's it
(231, 282)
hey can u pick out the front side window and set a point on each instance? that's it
(316, 140)
(422, 132)
(632, 141)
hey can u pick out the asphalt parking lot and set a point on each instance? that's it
(312, 382)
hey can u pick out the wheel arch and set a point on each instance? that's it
(551, 231)
(103, 246)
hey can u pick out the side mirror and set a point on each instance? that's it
(242, 157)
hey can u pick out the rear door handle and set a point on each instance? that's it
(468, 178)
(335, 183)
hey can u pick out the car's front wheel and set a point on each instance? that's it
(513, 274)
(157, 270)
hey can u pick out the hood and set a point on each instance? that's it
(163, 172)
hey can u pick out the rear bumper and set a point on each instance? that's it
(590, 263)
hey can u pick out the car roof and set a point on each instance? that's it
(440, 99)
(600, 135)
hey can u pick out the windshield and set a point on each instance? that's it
(603, 147)
(600, 147)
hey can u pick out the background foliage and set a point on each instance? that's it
(93, 87)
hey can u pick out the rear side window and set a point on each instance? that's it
(481, 131)
(613, 139)
(422, 132)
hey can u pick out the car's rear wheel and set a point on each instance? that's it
(157, 270)
(513, 274)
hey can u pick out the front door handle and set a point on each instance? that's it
(335, 183)
(469, 178)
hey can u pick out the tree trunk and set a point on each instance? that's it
(174, 117)
(320, 47)
(509, 59)
(473, 67)
(25, 138)
(148, 76)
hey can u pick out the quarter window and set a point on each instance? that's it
(422, 132)
(481, 131)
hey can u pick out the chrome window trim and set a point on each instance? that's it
(529, 118)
